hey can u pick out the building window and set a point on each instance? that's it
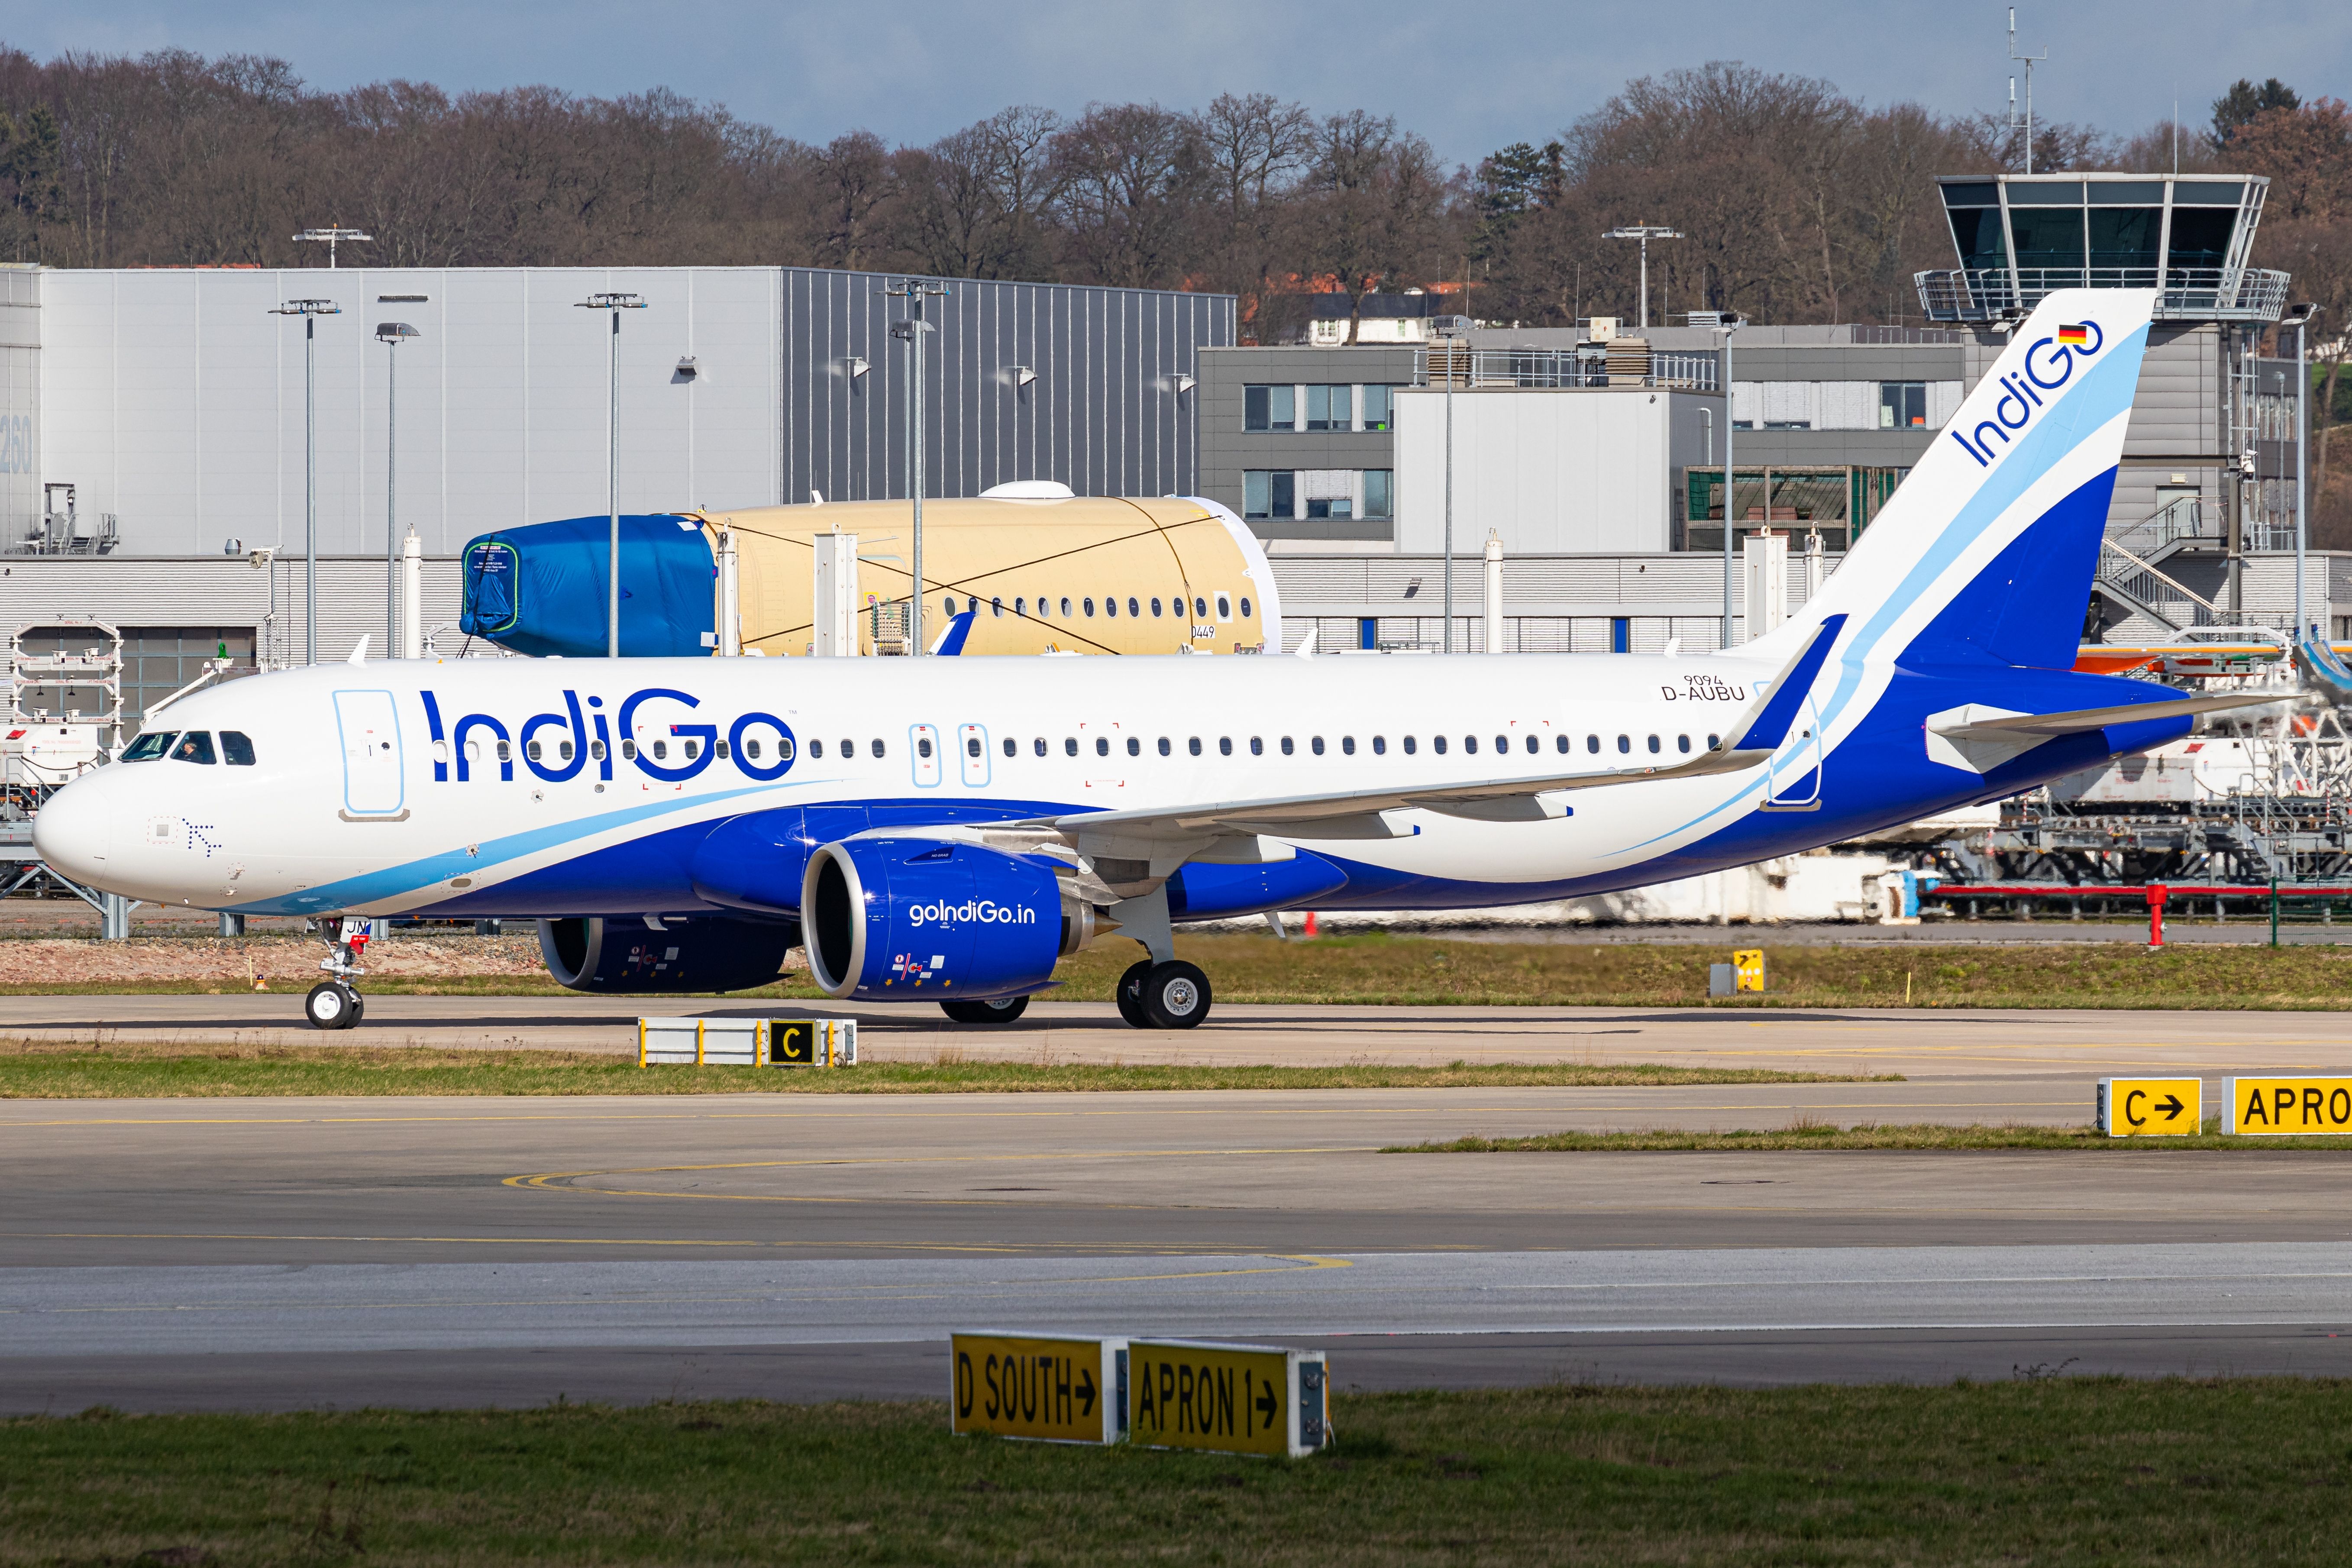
(1378, 409)
(1902, 405)
(1328, 493)
(1269, 495)
(1331, 408)
(1269, 408)
(1380, 491)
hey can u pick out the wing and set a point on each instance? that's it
(1750, 740)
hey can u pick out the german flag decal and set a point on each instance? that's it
(2078, 334)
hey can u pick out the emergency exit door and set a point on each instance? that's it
(369, 727)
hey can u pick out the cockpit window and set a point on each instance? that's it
(237, 749)
(147, 748)
(195, 746)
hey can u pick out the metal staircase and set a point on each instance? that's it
(2130, 559)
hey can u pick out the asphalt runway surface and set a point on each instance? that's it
(303, 1253)
(1916, 1042)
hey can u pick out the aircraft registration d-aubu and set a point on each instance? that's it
(948, 828)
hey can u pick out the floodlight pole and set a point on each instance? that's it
(1447, 643)
(309, 310)
(615, 303)
(1730, 479)
(1644, 232)
(911, 330)
(390, 334)
(2302, 440)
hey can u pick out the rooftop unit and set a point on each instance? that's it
(2020, 237)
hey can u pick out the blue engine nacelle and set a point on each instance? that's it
(625, 954)
(889, 918)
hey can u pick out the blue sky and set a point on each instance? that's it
(1471, 77)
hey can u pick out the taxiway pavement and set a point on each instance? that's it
(1916, 1042)
(267, 1253)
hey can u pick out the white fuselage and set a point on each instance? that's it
(353, 805)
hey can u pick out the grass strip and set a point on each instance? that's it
(43, 1069)
(1803, 1134)
(1381, 969)
(2039, 1470)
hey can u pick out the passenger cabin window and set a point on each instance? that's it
(237, 749)
(629, 750)
(1245, 609)
(849, 748)
(1624, 743)
(1133, 609)
(1155, 607)
(1316, 745)
(506, 751)
(1653, 746)
(922, 746)
(1470, 745)
(1134, 746)
(1258, 747)
(1070, 746)
(1224, 745)
(1164, 745)
(195, 746)
(1592, 743)
(147, 748)
(661, 751)
(751, 748)
(531, 750)
(1380, 746)
(971, 746)
(1286, 748)
(1065, 607)
(1012, 747)
(1111, 607)
(1088, 604)
(1409, 746)
(816, 748)
(875, 747)
(1102, 745)
(1437, 744)
(1040, 745)
(1193, 745)
(1559, 743)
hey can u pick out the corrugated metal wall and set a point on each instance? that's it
(1103, 415)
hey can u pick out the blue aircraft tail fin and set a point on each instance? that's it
(1987, 552)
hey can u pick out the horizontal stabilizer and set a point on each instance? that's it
(1976, 722)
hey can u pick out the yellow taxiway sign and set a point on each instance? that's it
(2151, 1107)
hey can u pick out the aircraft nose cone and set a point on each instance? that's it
(74, 828)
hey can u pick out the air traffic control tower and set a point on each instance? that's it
(2207, 476)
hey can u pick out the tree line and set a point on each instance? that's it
(1797, 202)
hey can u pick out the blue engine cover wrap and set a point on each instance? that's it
(1202, 891)
(622, 954)
(540, 589)
(907, 918)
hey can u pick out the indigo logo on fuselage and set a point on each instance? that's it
(2049, 365)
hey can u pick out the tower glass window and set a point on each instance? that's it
(1330, 408)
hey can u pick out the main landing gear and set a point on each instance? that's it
(333, 1004)
(1169, 994)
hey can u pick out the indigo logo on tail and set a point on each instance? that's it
(2049, 365)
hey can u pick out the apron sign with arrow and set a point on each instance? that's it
(1053, 1388)
(2151, 1107)
(1230, 1399)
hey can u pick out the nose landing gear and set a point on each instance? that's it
(333, 1004)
